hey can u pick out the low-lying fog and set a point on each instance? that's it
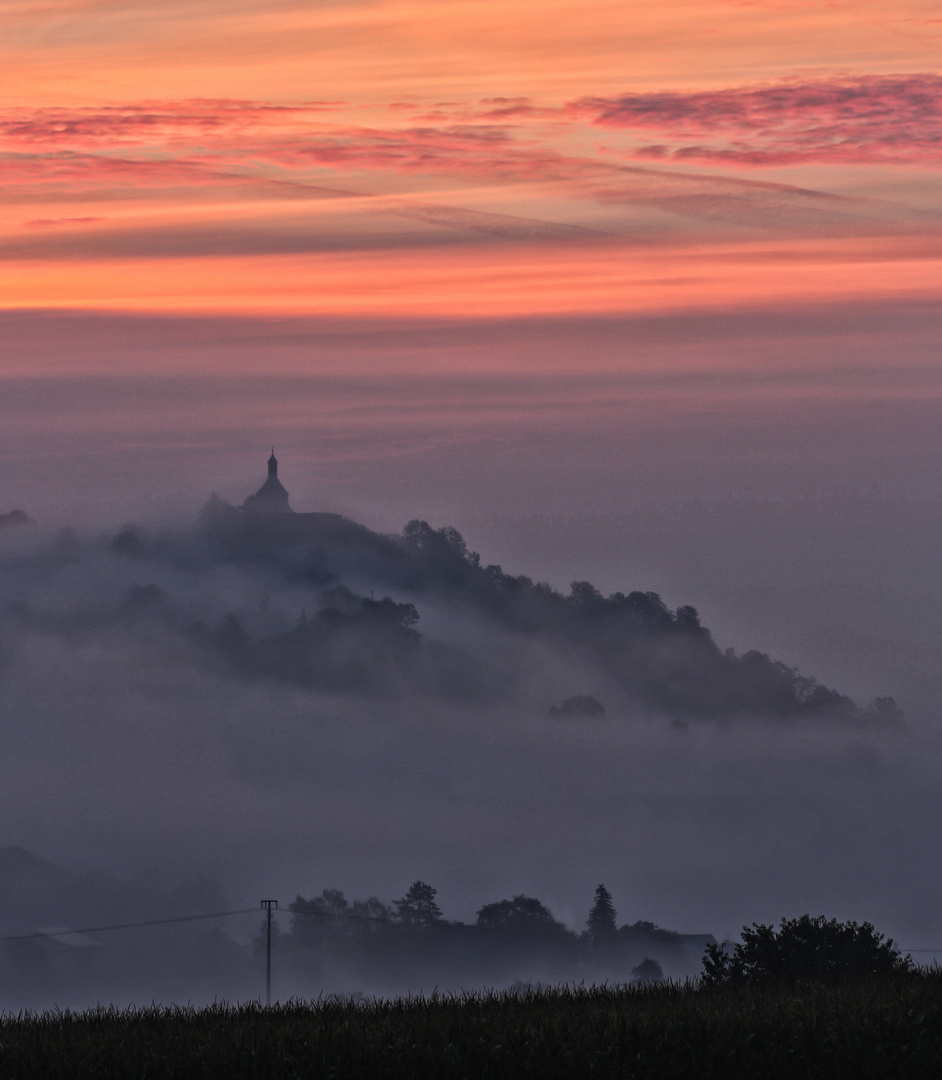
(158, 758)
(159, 729)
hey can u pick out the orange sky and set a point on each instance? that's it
(469, 157)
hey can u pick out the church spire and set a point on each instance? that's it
(271, 497)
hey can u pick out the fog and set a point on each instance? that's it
(154, 762)
(160, 727)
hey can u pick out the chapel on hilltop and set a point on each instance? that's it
(268, 515)
(271, 497)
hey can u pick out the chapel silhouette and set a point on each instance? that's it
(271, 497)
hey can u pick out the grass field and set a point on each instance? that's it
(886, 1027)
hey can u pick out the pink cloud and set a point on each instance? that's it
(873, 119)
(144, 123)
(64, 174)
(45, 223)
(188, 150)
(454, 150)
(282, 167)
(198, 142)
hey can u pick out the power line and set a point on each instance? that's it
(438, 924)
(442, 924)
(124, 926)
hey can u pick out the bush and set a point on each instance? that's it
(648, 971)
(805, 947)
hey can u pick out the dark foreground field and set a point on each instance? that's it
(887, 1027)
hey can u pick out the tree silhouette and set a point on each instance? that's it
(648, 971)
(418, 908)
(601, 920)
(319, 918)
(522, 913)
(805, 947)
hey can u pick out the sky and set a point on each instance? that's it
(524, 268)
(643, 294)
(468, 158)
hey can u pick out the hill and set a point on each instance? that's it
(628, 646)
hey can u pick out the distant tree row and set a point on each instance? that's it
(410, 938)
(369, 940)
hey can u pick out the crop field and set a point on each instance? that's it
(883, 1027)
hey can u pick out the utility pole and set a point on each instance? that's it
(268, 905)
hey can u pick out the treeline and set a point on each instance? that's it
(349, 621)
(409, 942)
(519, 942)
(664, 660)
(350, 644)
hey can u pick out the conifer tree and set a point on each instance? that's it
(601, 921)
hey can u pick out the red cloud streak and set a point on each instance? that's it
(872, 120)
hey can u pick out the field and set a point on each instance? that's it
(887, 1027)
